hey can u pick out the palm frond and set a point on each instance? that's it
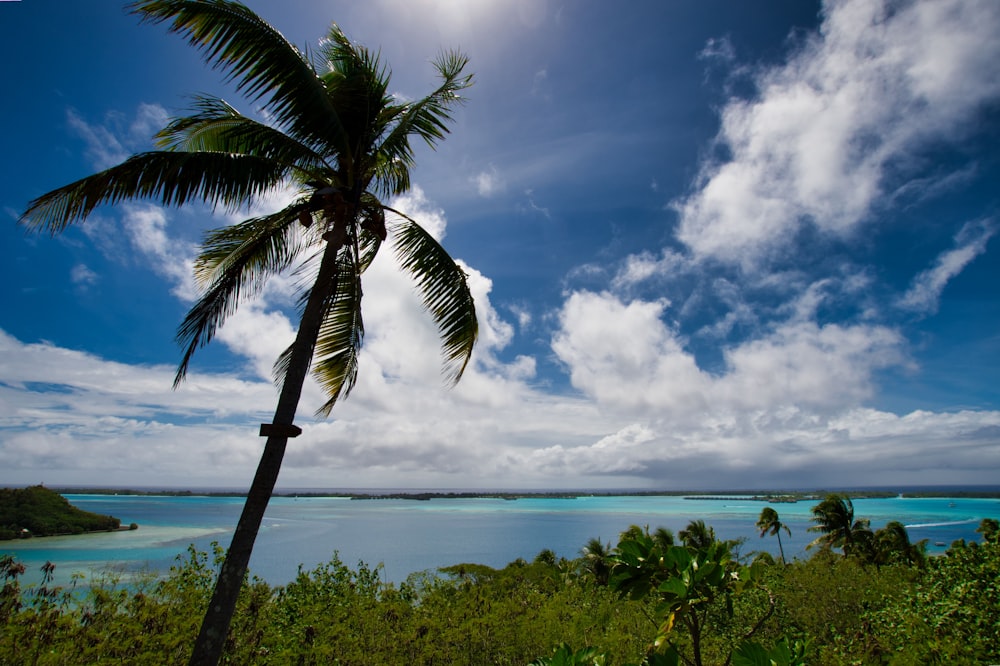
(356, 83)
(262, 63)
(169, 178)
(218, 127)
(391, 174)
(443, 288)
(427, 118)
(234, 263)
(340, 336)
(341, 333)
(372, 231)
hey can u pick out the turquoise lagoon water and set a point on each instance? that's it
(407, 536)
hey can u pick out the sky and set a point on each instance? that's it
(713, 245)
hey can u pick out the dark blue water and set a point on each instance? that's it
(407, 536)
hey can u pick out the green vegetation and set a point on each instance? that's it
(38, 511)
(652, 600)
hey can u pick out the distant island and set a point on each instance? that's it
(38, 511)
(770, 496)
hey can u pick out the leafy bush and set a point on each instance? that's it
(953, 615)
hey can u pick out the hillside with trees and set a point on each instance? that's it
(38, 511)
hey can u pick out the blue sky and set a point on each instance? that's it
(713, 245)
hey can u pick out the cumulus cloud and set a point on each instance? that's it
(830, 131)
(622, 354)
(65, 412)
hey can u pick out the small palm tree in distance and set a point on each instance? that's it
(769, 523)
(834, 517)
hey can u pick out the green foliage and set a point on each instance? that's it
(564, 655)
(43, 512)
(784, 653)
(666, 605)
(830, 599)
(144, 622)
(953, 614)
(693, 588)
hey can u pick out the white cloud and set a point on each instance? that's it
(718, 49)
(925, 291)
(149, 119)
(879, 81)
(489, 183)
(622, 355)
(416, 205)
(532, 207)
(81, 275)
(803, 364)
(146, 229)
(103, 147)
(115, 139)
(639, 268)
(68, 415)
(522, 314)
(259, 335)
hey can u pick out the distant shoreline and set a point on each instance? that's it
(122, 528)
(774, 496)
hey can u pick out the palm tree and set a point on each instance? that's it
(989, 528)
(834, 517)
(697, 535)
(597, 560)
(892, 544)
(339, 137)
(663, 537)
(768, 523)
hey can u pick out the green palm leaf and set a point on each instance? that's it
(218, 127)
(234, 263)
(338, 345)
(426, 118)
(169, 178)
(341, 333)
(443, 288)
(258, 58)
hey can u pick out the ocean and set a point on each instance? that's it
(407, 536)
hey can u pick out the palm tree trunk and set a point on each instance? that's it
(780, 548)
(219, 614)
